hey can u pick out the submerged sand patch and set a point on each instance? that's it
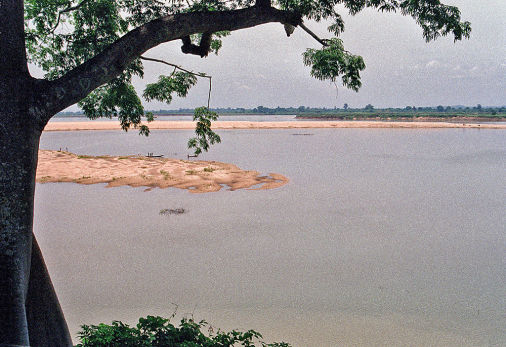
(139, 171)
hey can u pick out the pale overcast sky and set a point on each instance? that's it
(261, 66)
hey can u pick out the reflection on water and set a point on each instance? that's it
(382, 237)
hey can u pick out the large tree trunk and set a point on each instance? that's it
(29, 311)
(46, 324)
(21, 123)
(19, 141)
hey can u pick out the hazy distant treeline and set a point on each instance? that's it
(303, 110)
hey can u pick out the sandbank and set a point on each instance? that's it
(139, 171)
(155, 125)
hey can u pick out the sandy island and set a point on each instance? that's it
(138, 171)
(155, 125)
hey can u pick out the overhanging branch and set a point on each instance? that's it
(199, 74)
(177, 67)
(306, 29)
(79, 82)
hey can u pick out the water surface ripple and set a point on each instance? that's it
(389, 237)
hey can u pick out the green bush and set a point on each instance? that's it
(159, 332)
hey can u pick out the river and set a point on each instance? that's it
(389, 237)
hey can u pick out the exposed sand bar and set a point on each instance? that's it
(139, 171)
(114, 125)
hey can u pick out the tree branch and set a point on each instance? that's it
(65, 10)
(199, 74)
(12, 39)
(175, 66)
(306, 29)
(202, 49)
(79, 82)
(73, 8)
(263, 3)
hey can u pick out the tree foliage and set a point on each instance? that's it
(333, 61)
(159, 332)
(62, 34)
(178, 83)
(205, 136)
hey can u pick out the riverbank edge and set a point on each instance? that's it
(189, 125)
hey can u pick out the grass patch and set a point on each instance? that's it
(165, 174)
(209, 169)
(191, 172)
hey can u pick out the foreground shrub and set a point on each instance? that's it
(159, 332)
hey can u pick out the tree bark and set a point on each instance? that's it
(20, 128)
(19, 139)
(29, 310)
(12, 38)
(18, 161)
(46, 323)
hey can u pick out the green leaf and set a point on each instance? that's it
(333, 61)
(205, 136)
(178, 83)
(116, 99)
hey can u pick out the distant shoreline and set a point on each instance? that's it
(395, 118)
(309, 124)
